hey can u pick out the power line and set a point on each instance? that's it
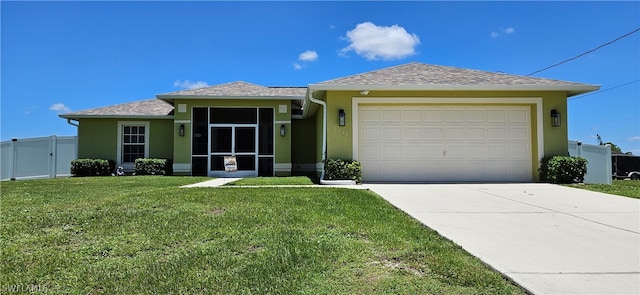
(585, 53)
(604, 90)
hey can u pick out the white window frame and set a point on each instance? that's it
(130, 166)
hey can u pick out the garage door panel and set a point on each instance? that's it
(369, 115)
(391, 151)
(497, 116)
(473, 169)
(477, 152)
(519, 151)
(433, 133)
(455, 134)
(370, 134)
(411, 152)
(425, 143)
(456, 151)
(372, 171)
(498, 151)
(391, 116)
(476, 116)
(476, 133)
(433, 151)
(433, 116)
(518, 134)
(391, 133)
(518, 167)
(412, 133)
(412, 116)
(454, 116)
(518, 116)
(454, 169)
(499, 168)
(497, 134)
(370, 151)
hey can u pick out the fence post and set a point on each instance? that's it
(53, 155)
(579, 149)
(14, 161)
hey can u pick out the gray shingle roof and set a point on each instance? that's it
(425, 74)
(411, 76)
(238, 89)
(142, 108)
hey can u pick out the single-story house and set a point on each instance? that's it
(412, 122)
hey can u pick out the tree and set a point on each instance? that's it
(614, 148)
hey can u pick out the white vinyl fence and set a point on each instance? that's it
(41, 157)
(598, 161)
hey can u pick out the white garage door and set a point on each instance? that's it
(443, 144)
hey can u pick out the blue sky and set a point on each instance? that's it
(70, 56)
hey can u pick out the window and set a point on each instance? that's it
(133, 141)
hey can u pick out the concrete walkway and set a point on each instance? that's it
(220, 182)
(549, 239)
(216, 182)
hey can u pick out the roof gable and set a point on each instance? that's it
(419, 76)
(237, 89)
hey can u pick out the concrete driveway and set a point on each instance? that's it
(549, 239)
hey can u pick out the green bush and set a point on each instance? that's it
(92, 167)
(563, 169)
(152, 167)
(337, 169)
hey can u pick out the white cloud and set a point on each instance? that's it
(507, 31)
(634, 138)
(186, 84)
(308, 55)
(305, 57)
(60, 108)
(380, 42)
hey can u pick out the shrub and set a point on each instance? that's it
(563, 169)
(152, 167)
(92, 167)
(337, 169)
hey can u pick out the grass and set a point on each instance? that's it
(262, 181)
(143, 235)
(627, 188)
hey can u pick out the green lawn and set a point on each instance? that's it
(143, 235)
(627, 188)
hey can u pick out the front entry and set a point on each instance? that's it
(244, 133)
(238, 141)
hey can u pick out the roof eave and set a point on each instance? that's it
(570, 89)
(131, 117)
(170, 98)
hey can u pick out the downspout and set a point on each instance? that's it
(324, 129)
(76, 125)
(72, 124)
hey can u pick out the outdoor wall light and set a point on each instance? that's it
(342, 118)
(181, 130)
(555, 118)
(282, 130)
